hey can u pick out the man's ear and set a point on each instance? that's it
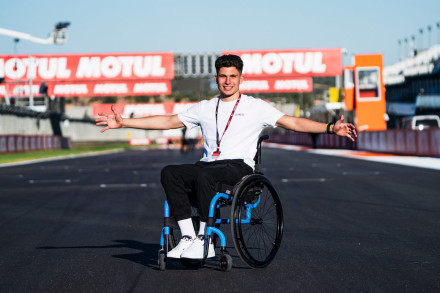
(241, 78)
(215, 78)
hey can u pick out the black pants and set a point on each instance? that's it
(198, 183)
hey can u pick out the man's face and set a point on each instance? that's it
(228, 81)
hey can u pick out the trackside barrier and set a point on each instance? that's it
(402, 141)
(29, 143)
(395, 141)
(306, 139)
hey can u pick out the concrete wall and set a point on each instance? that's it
(77, 131)
(11, 124)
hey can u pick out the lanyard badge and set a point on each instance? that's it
(218, 152)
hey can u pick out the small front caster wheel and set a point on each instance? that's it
(162, 260)
(225, 262)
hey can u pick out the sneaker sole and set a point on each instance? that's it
(197, 259)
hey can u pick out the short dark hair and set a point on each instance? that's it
(229, 61)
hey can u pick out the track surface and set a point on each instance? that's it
(93, 225)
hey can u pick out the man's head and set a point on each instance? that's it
(228, 77)
(229, 61)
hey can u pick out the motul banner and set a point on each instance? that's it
(307, 62)
(277, 85)
(88, 67)
(95, 89)
(142, 109)
(19, 90)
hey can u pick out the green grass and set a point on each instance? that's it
(18, 157)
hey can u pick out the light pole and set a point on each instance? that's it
(57, 36)
(429, 35)
(413, 45)
(406, 47)
(438, 32)
(421, 38)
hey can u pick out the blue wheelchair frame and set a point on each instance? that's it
(211, 229)
(223, 199)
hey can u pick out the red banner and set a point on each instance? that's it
(277, 85)
(88, 67)
(307, 62)
(80, 89)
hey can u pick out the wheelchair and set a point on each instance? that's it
(256, 222)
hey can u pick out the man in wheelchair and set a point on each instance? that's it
(231, 124)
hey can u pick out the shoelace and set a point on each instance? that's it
(185, 238)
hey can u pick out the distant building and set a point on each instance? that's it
(409, 81)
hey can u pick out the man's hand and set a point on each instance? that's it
(112, 120)
(344, 129)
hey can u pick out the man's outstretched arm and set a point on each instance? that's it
(114, 120)
(306, 125)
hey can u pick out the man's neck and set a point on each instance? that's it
(230, 98)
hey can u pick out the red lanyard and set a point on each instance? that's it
(217, 153)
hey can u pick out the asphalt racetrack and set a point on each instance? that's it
(93, 224)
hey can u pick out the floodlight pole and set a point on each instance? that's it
(57, 36)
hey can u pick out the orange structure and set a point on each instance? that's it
(365, 92)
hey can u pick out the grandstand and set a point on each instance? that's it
(413, 85)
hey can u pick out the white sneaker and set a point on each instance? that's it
(195, 251)
(184, 243)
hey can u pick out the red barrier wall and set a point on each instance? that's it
(27, 143)
(402, 141)
(322, 140)
(395, 141)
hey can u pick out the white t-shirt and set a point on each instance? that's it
(191, 133)
(241, 137)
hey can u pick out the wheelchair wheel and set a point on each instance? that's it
(256, 221)
(225, 262)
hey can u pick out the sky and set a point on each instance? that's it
(203, 26)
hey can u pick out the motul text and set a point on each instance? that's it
(91, 67)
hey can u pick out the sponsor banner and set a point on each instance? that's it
(305, 62)
(83, 67)
(19, 90)
(142, 110)
(79, 89)
(277, 85)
